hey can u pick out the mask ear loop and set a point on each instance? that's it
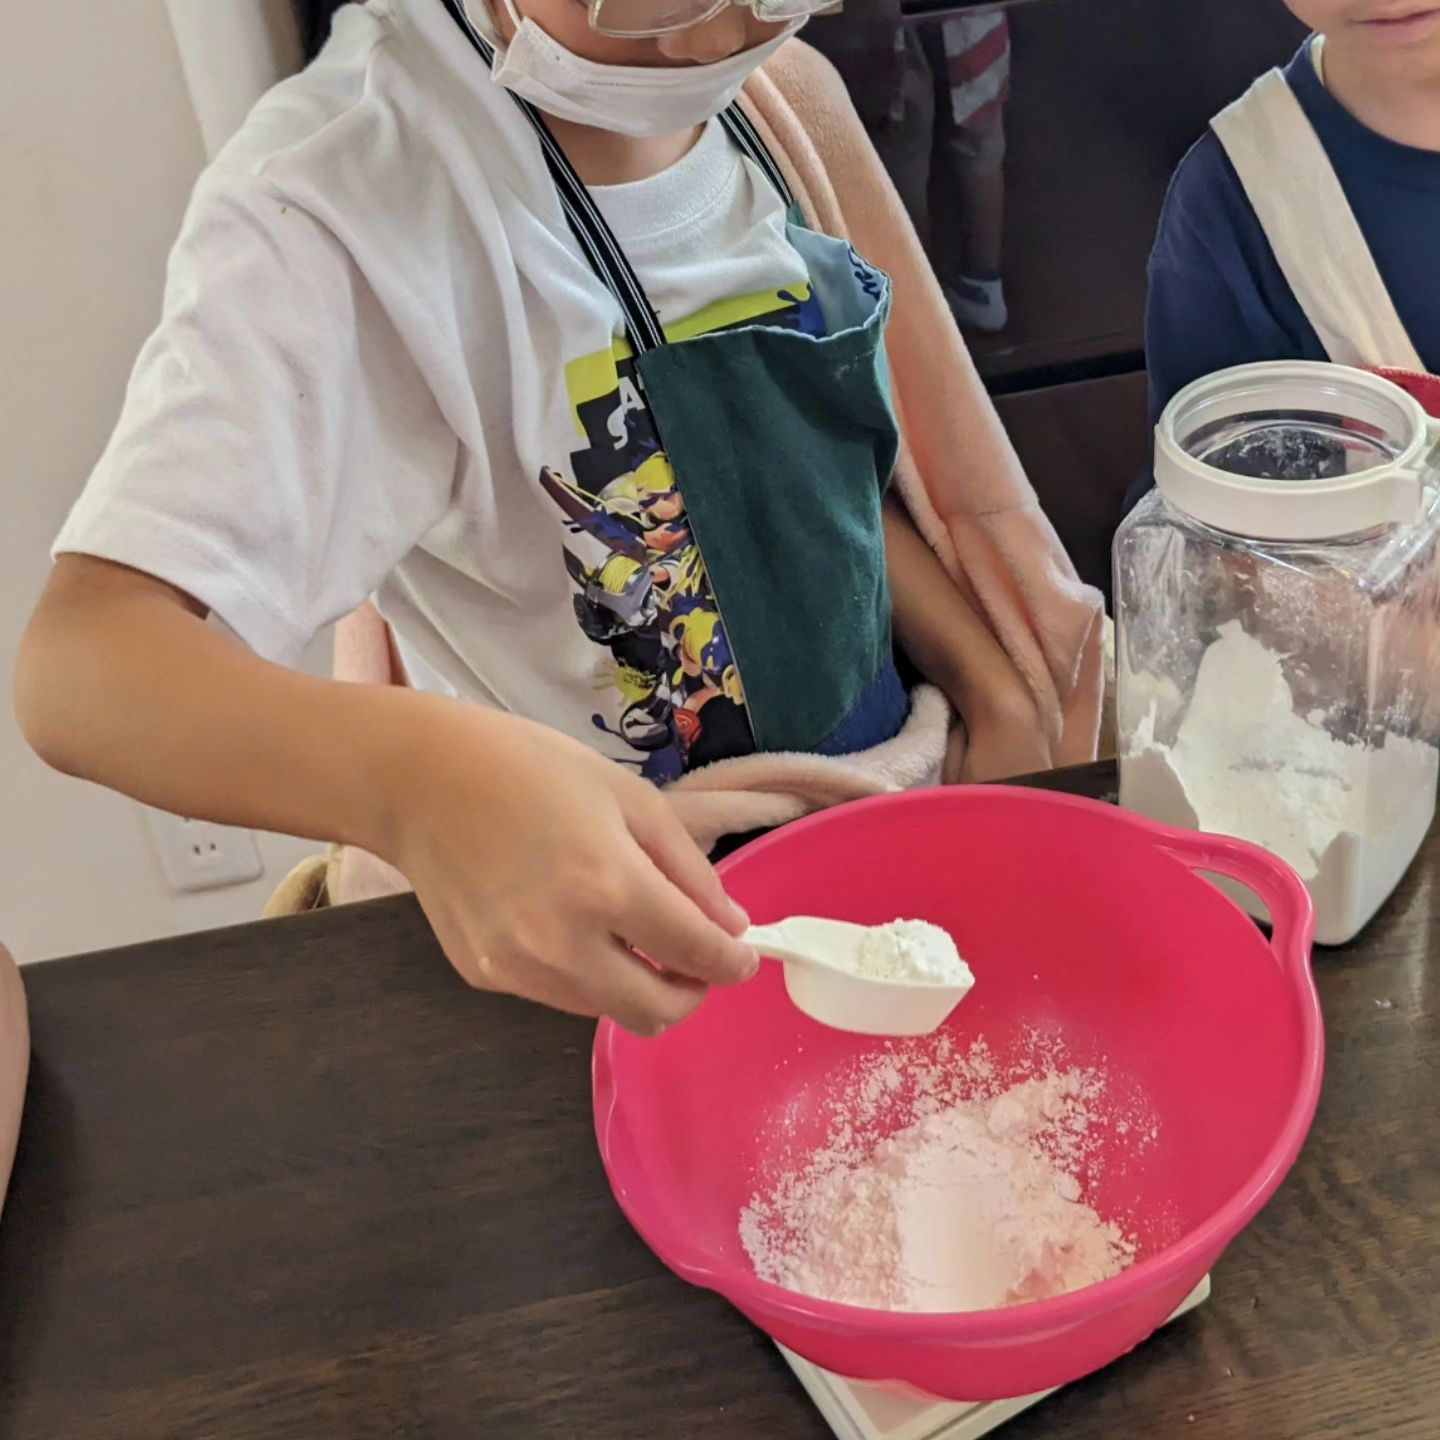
(481, 18)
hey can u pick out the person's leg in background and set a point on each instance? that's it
(907, 144)
(888, 76)
(975, 53)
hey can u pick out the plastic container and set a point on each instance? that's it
(1278, 627)
(1074, 916)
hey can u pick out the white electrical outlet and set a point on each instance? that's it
(196, 855)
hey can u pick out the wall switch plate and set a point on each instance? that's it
(196, 855)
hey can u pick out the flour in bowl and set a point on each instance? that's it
(976, 1203)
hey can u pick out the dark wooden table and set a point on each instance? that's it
(294, 1182)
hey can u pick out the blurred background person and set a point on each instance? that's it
(932, 97)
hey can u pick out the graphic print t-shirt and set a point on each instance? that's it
(385, 369)
(642, 592)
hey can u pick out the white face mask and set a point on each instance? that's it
(636, 100)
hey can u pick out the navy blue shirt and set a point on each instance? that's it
(1217, 294)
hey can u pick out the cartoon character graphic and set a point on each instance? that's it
(711, 715)
(641, 590)
(645, 597)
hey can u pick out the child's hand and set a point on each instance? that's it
(996, 741)
(543, 867)
(540, 864)
(987, 754)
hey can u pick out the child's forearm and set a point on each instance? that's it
(941, 633)
(543, 867)
(122, 682)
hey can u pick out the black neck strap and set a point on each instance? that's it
(602, 250)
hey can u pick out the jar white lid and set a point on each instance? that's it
(1383, 421)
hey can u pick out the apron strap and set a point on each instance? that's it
(743, 132)
(596, 239)
(1312, 229)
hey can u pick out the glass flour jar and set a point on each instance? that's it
(1277, 605)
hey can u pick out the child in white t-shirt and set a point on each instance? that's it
(422, 339)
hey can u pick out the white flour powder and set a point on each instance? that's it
(1347, 817)
(976, 1203)
(911, 950)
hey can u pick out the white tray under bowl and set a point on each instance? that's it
(856, 1411)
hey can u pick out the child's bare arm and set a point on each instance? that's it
(953, 648)
(538, 862)
(121, 681)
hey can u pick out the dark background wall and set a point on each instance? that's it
(1106, 97)
(314, 17)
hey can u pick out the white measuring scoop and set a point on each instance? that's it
(822, 976)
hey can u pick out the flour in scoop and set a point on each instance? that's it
(911, 950)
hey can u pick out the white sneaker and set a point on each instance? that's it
(979, 305)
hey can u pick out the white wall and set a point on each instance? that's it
(99, 146)
(230, 52)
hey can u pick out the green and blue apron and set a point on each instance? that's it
(783, 444)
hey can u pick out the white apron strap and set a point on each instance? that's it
(1311, 227)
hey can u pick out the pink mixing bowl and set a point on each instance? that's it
(1076, 918)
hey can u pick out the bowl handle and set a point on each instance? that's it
(1292, 912)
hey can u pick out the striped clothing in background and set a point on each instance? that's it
(977, 58)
